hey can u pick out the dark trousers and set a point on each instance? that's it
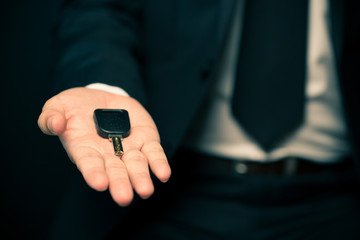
(202, 201)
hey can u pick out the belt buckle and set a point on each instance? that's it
(241, 168)
(291, 165)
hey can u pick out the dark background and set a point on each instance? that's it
(34, 170)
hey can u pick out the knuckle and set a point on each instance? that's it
(115, 165)
(134, 156)
(141, 176)
(152, 147)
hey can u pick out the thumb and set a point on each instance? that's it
(52, 119)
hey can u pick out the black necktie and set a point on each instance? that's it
(269, 91)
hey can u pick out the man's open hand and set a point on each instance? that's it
(69, 115)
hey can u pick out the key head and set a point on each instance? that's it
(112, 122)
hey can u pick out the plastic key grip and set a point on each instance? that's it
(112, 122)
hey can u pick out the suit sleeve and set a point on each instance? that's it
(99, 41)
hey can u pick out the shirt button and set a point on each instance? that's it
(241, 168)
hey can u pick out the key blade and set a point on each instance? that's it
(117, 146)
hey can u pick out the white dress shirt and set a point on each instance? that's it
(322, 137)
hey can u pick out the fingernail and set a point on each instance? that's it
(49, 125)
(164, 181)
(146, 196)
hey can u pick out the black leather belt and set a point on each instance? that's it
(286, 166)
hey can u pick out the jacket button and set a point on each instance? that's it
(206, 73)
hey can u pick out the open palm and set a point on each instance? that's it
(69, 115)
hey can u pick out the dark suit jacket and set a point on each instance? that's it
(165, 53)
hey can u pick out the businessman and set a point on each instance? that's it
(255, 102)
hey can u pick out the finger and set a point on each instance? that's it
(119, 182)
(157, 160)
(138, 169)
(52, 120)
(90, 163)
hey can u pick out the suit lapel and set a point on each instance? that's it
(337, 27)
(349, 71)
(226, 12)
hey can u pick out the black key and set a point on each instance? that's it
(113, 124)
